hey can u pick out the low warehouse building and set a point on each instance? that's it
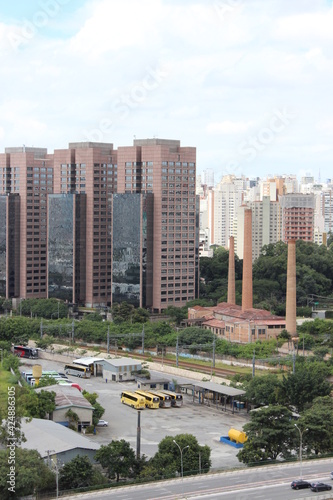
(120, 369)
(70, 398)
(56, 442)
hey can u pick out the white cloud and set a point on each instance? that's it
(228, 127)
(223, 76)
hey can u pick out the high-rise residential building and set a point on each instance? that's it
(228, 196)
(94, 225)
(327, 208)
(266, 224)
(297, 216)
(208, 177)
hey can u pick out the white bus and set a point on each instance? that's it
(77, 371)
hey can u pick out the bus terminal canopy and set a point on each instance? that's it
(216, 394)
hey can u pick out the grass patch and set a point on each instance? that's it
(6, 379)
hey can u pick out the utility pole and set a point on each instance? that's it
(143, 339)
(41, 328)
(254, 363)
(177, 352)
(214, 352)
(138, 436)
(108, 341)
(73, 331)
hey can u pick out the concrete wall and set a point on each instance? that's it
(85, 415)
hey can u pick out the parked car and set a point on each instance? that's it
(300, 484)
(320, 487)
(102, 423)
(331, 475)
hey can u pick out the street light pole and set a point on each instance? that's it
(300, 447)
(181, 457)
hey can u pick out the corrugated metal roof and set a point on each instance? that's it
(220, 389)
(67, 396)
(43, 435)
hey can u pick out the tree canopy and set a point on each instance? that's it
(314, 272)
(269, 433)
(118, 458)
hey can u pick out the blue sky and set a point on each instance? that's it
(248, 82)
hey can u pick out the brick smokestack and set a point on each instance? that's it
(231, 272)
(247, 295)
(291, 289)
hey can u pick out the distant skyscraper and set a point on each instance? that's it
(297, 216)
(208, 177)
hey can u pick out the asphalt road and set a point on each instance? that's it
(266, 483)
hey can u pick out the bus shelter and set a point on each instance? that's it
(223, 397)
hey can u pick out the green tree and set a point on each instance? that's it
(118, 458)
(177, 314)
(263, 390)
(299, 389)
(270, 433)
(122, 312)
(98, 411)
(140, 315)
(35, 404)
(167, 460)
(77, 473)
(318, 420)
(31, 474)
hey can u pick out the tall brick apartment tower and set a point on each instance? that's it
(93, 225)
(89, 172)
(167, 170)
(26, 179)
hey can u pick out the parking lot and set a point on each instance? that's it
(206, 423)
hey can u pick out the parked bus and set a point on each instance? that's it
(77, 371)
(25, 352)
(151, 400)
(134, 400)
(176, 399)
(165, 399)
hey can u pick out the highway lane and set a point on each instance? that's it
(271, 483)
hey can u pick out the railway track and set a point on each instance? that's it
(188, 365)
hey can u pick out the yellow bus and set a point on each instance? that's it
(176, 399)
(152, 401)
(134, 400)
(165, 399)
(77, 371)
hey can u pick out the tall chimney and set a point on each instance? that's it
(291, 289)
(231, 272)
(247, 295)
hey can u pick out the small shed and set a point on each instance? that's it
(147, 384)
(120, 369)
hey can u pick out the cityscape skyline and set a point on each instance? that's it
(246, 82)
